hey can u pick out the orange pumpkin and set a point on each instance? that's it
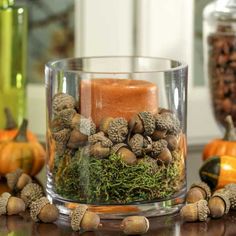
(225, 146)
(21, 153)
(11, 129)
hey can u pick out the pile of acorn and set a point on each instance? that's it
(30, 195)
(201, 203)
(155, 135)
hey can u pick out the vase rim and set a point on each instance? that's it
(59, 65)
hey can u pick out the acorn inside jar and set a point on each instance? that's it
(111, 142)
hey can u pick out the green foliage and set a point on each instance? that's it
(91, 180)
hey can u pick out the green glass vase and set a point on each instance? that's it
(13, 52)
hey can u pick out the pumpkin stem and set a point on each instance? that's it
(21, 135)
(230, 134)
(10, 121)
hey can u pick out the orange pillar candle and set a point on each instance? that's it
(101, 98)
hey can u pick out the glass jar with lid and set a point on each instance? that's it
(219, 34)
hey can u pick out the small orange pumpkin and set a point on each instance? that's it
(225, 146)
(11, 129)
(218, 171)
(21, 153)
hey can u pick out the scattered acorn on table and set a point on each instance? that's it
(11, 205)
(17, 180)
(42, 210)
(135, 225)
(197, 211)
(81, 218)
(215, 206)
(198, 191)
(219, 204)
(30, 193)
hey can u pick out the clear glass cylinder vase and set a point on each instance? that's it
(116, 135)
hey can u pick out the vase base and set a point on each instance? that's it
(152, 209)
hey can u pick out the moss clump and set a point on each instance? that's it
(91, 180)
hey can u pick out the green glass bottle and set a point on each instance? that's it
(13, 53)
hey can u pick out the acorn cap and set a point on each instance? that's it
(158, 147)
(62, 101)
(66, 115)
(57, 124)
(77, 215)
(147, 144)
(13, 177)
(3, 202)
(225, 199)
(148, 122)
(136, 144)
(30, 193)
(204, 187)
(167, 121)
(230, 187)
(86, 126)
(203, 210)
(100, 137)
(36, 207)
(117, 146)
(118, 130)
(232, 198)
(61, 136)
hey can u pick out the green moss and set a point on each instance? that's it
(110, 180)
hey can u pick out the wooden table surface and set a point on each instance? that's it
(22, 225)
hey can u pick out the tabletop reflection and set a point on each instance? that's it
(22, 225)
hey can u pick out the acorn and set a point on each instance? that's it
(230, 187)
(219, 204)
(159, 134)
(30, 193)
(105, 123)
(42, 210)
(172, 142)
(62, 101)
(115, 128)
(231, 193)
(17, 180)
(197, 211)
(140, 145)
(198, 191)
(167, 121)
(76, 139)
(61, 138)
(158, 147)
(66, 116)
(11, 205)
(143, 123)
(57, 124)
(135, 225)
(75, 121)
(100, 137)
(83, 219)
(98, 151)
(126, 155)
(165, 156)
(86, 126)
